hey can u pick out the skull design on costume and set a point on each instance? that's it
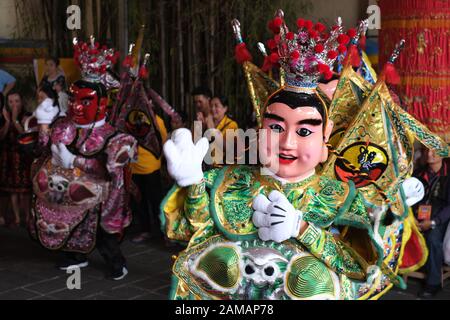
(262, 270)
(57, 186)
(253, 270)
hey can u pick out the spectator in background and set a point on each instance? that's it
(147, 177)
(7, 83)
(53, 74)
(433, 214)
(45, 92)
(219, 120)
(4, 199)
(15, 177)
(202, 101)
(176, 123)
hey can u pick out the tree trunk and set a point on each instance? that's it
(54, 26)
(95, 19)
(195, 60)
(212, 34)
(163, 45)
(123, 27)
(180, 53)
(105, 19)
(173, 57)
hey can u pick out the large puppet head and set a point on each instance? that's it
(295, 118)
(89, 96)
(87, 102)
(298, 131)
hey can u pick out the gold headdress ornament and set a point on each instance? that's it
(373, 153)
(351, 91)
(308, 54)
(376, 151)
(268, 65)
(355, 54)
(133, 59)
(304, 57)
(95, 61)
(260, 85)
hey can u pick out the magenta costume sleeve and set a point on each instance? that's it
(116, 214)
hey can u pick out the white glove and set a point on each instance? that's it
(46, 112)
(184, 159)
(62, 157)
(414, 191)
(276, 218)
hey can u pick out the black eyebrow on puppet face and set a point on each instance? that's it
(312, 122)
(273, 117)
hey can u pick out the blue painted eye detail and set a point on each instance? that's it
(304, 132)
(276, 128)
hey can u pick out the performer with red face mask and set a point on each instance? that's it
(80, 181)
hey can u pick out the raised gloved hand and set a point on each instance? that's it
(414, 191)
(46, 112)
(276, 218)
(184, 158)
(62, 157)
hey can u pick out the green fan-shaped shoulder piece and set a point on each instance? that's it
(308, 278)
(221, 266)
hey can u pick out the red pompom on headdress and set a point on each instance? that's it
(242, 54)
(94, 61)
(308, 54)
(389, 73)
(353, 51)
(143, 71)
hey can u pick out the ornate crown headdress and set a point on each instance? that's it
(95, 61)
(308, 54)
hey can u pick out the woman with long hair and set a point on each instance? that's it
(14, 166)
(54, 75)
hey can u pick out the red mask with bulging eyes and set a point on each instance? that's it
(85, 107)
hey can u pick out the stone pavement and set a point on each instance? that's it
(27, 272)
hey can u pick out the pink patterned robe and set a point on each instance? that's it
(70, 204)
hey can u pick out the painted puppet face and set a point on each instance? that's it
(295, 140)
(85, 107)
